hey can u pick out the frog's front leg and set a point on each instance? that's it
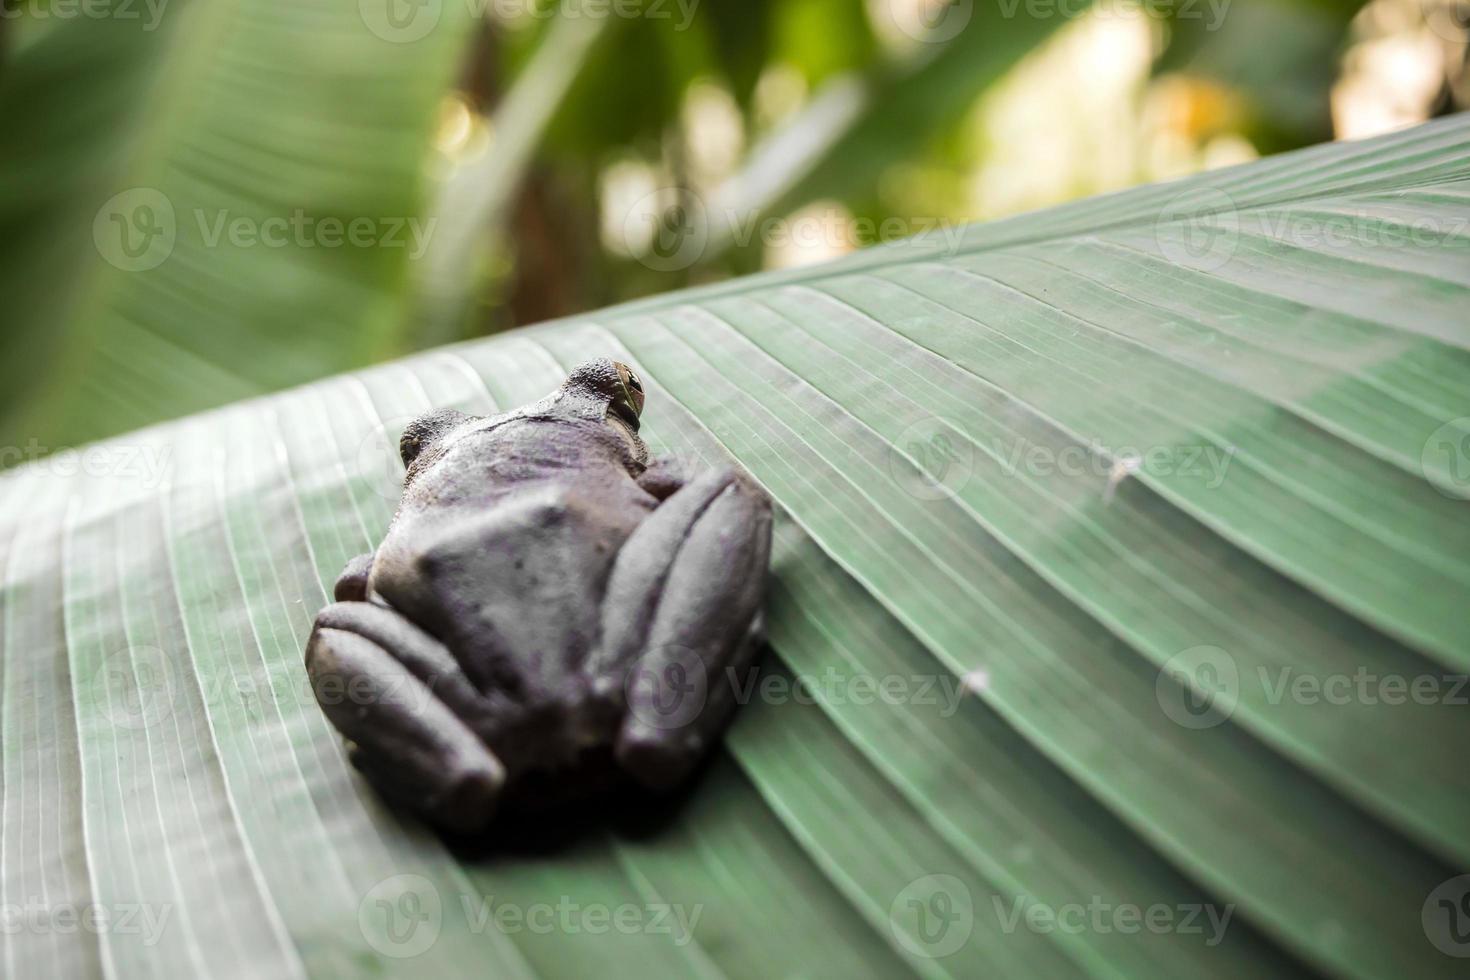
(401, 697)
(683, 605)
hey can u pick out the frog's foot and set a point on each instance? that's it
(352, 584)
(397, 693)
(682, 610)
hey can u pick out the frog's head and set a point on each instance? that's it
(611, 387)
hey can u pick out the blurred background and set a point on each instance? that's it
(790, 131)
(511, 161)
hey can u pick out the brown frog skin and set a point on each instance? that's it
(549, 614)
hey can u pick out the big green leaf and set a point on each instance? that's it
(1122, 556)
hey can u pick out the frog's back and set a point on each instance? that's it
(504, 556)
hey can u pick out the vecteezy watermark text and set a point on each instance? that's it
(1200, 687)
(670, 230)
(148, 465)
(672, 690)
(1206, 462)
(933, 917)
(941, 21)
(1101, 917)
(1202, 228)
(302, 230)
(835, 687)
(1211, 12)
(402, 917)
(407, 21)
(38, 917)
(567, 916)
(138, 230)
(936, 457)
(137, 687)
(148, 12)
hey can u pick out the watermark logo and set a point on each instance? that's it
(379, 460)
(930, 21)
(1447, 451)
(134, 688)
(931, 459)
(401, 21)
(1198, 688)
(667, 690)
(401, 916)
(1199, 229)
(676, 237)
(1446, 917)
(136, 230)
(1450, 19)
(933, 916)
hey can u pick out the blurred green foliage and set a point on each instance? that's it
(887, 108)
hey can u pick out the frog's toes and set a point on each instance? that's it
(352, 584)
(408, 741)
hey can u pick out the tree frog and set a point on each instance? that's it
(550, 613)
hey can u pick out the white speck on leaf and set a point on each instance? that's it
(976, 681)
(1121, 470)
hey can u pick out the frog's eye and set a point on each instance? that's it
(629, 400)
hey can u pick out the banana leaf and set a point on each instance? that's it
(1118, 624)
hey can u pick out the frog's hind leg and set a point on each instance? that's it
(398, 694)
(682, 608)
